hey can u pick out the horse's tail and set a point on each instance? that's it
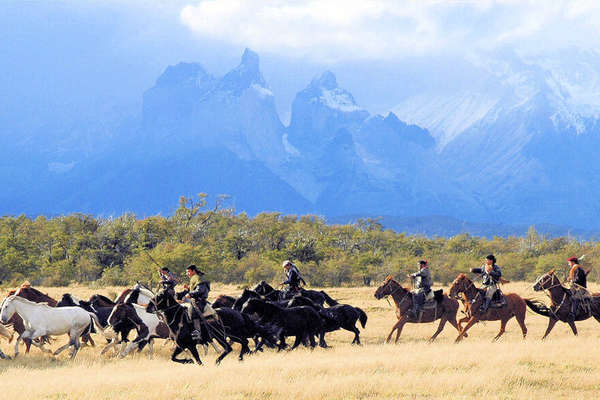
(328, 299)
(362, 316)
(538, 307)
(95, 321)
(90, 328)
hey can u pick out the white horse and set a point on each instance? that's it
(40, 320)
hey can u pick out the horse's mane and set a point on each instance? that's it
(101, 297)
(23, 299)
(121, 298)
(462, 275)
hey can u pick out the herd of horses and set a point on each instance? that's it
(262, 315)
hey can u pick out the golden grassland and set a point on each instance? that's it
(562, 367)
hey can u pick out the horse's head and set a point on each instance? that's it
(119, 314)
(263, 288)
(388, 287)
(253, 306)
(460, 285)
(7, 309)
(66, 301)
(163, 300)
(546, 281)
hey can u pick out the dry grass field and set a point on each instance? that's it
(563, 367)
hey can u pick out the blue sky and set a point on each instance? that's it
(85, 59)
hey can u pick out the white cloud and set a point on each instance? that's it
(333, 30)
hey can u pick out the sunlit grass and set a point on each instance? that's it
(563, 367)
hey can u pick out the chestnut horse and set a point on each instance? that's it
(515, 307)
(560, 303)
(445, 309)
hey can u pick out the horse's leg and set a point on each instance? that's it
(17, 344)
(195, 354)
(299, 339)
(245, 348)
(521, 320)
(503, 322)
(572, 325)
(178, 350)
(551, 323)
(110, 345)
(443, 320)
(76, 345)
(322, 342)
(313, 343)
(462, 333)
(399, 327)
(129, 347)
(223, 342)
(150, 348)
(282, 345)
(389, 337)
(356, 339)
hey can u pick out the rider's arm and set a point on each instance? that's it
(477, 270)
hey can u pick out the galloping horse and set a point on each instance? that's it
(515, 306)
(16, 321)
(41, 320)
(560, 303)
(445, 308)
(181, 328)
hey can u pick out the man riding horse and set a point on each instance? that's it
(490, 276)
(293, 279)
(578, 285)
(198, 295)
(422, 287)
(168, 280)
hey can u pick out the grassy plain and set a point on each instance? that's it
(562, 367)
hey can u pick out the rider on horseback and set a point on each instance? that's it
(293, 279)
(422, 287)
(168, 279)
(578, 285)
(198, 294)
(490, 275)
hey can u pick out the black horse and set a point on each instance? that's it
(181, 328)
(339, 316)
(317, 296)
(240, 327)
(302, 322)
(251, 294)
(223, 301)
(95, 306)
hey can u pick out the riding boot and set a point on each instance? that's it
(573, 312)
(486, 304)
(196, 333)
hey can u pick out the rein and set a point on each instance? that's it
(548, 293)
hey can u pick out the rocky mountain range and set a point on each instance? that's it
(522, 150)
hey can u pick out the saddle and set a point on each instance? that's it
(432, 298)
(498, 300)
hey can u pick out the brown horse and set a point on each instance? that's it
(515, 307)
(560, 303)
(445, 309)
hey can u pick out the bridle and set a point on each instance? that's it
(464, 290)
(539, 282)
